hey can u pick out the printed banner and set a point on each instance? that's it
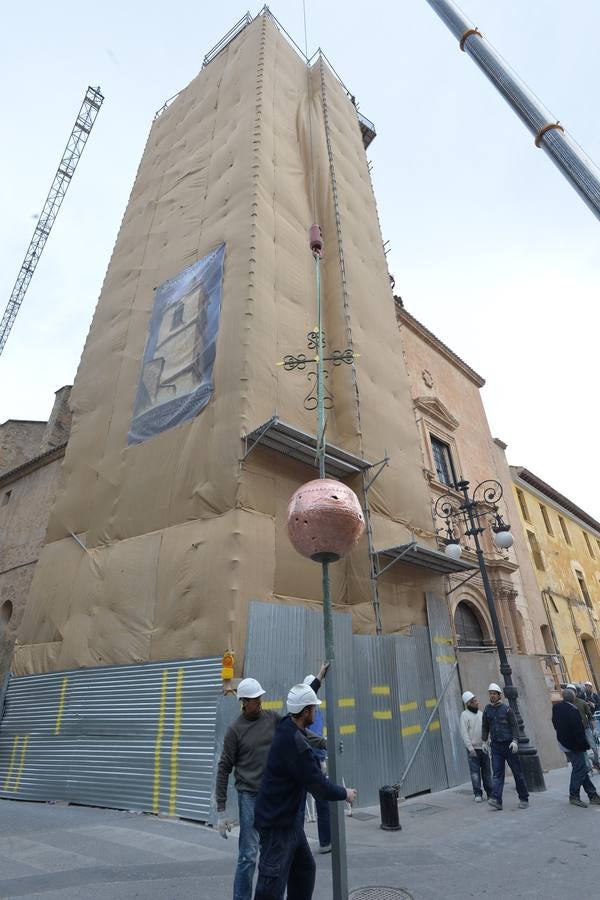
(176, 378)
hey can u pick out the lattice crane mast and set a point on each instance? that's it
(81, 131)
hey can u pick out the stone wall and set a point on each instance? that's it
(19, 441)
(23, 520)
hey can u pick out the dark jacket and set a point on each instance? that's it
(593, 698)
(499, 724)
(569, 727)
(246, 748)
(291, 771)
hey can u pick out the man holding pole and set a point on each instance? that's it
(292, 770)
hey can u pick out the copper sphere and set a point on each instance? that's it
(324, 520)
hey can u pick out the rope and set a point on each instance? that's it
(310, 130)
(338, 228)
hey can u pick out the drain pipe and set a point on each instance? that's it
(578, 169)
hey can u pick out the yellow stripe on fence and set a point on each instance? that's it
(159, 736)
(435, 726)
(407, 707)
(430, 703)
(175, 741)
(445, 659)
(442, 640)
(348, 729)
(272, 704)
(61, 705)
(411, 729)
(380, 690)
(21, 763)
(382, 714)
(346, 701)
(11, 764)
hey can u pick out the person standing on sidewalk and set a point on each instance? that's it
(285, 857)
(572, 741)
(245, 749)
(587, 717)
(591, 696)
(499, 726)
(471, 720)
(321, 806)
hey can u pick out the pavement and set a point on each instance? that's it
(449, 847)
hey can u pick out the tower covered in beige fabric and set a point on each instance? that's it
(180, 531)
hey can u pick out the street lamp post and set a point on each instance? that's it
(482, 504)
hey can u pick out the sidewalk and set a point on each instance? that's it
(449, 847)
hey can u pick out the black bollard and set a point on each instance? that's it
(388, 805)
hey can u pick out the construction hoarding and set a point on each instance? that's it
(159, 536)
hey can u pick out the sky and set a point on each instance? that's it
(490, 247)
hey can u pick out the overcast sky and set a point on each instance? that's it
(490, 246)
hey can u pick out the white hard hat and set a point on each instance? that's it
(248, 689)
(588, 682)
(309, 679)
(301, 695)
(571, 687)
(495, 687)
(467, 696)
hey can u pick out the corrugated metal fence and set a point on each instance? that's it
(387, 689)
(135, 737)
(148, 737)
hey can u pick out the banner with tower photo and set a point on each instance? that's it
(176, 378)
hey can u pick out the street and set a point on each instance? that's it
(449, 847)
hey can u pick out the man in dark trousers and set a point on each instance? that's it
(572, 741)
(292, 770)
(499, 725)
(245, 750)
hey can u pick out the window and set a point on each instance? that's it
(548, 642)
(583, 588)
(469, 632)
(565, 530)
(589, 544)
(546, 519)
(6, 498)
(535, 551)
(444, 467)
(523, 505)
(177, 319)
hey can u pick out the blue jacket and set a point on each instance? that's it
(499, 723)
(291, 771)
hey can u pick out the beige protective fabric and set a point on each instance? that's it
(180, 532)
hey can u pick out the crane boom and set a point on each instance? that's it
(81, 130)
(549, 135)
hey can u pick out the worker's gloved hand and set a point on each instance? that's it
(513, 746)
(223, 824)
(351, 795)
(473, 752)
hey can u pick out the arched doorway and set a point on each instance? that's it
(469, 627)
(592, 657)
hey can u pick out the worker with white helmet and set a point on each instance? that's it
(471, 720)
(499, 728)
(285, 857)
(245, 750)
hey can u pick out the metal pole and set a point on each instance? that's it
(339, 868)
(426, 728)
(576, 166)
(530, 760)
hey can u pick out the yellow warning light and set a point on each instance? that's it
(227, 665)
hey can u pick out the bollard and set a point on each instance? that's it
(388, 805)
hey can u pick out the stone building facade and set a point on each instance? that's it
(32, 454)
(564, 545)
(457, 443)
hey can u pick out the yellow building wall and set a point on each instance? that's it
(576, 624)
